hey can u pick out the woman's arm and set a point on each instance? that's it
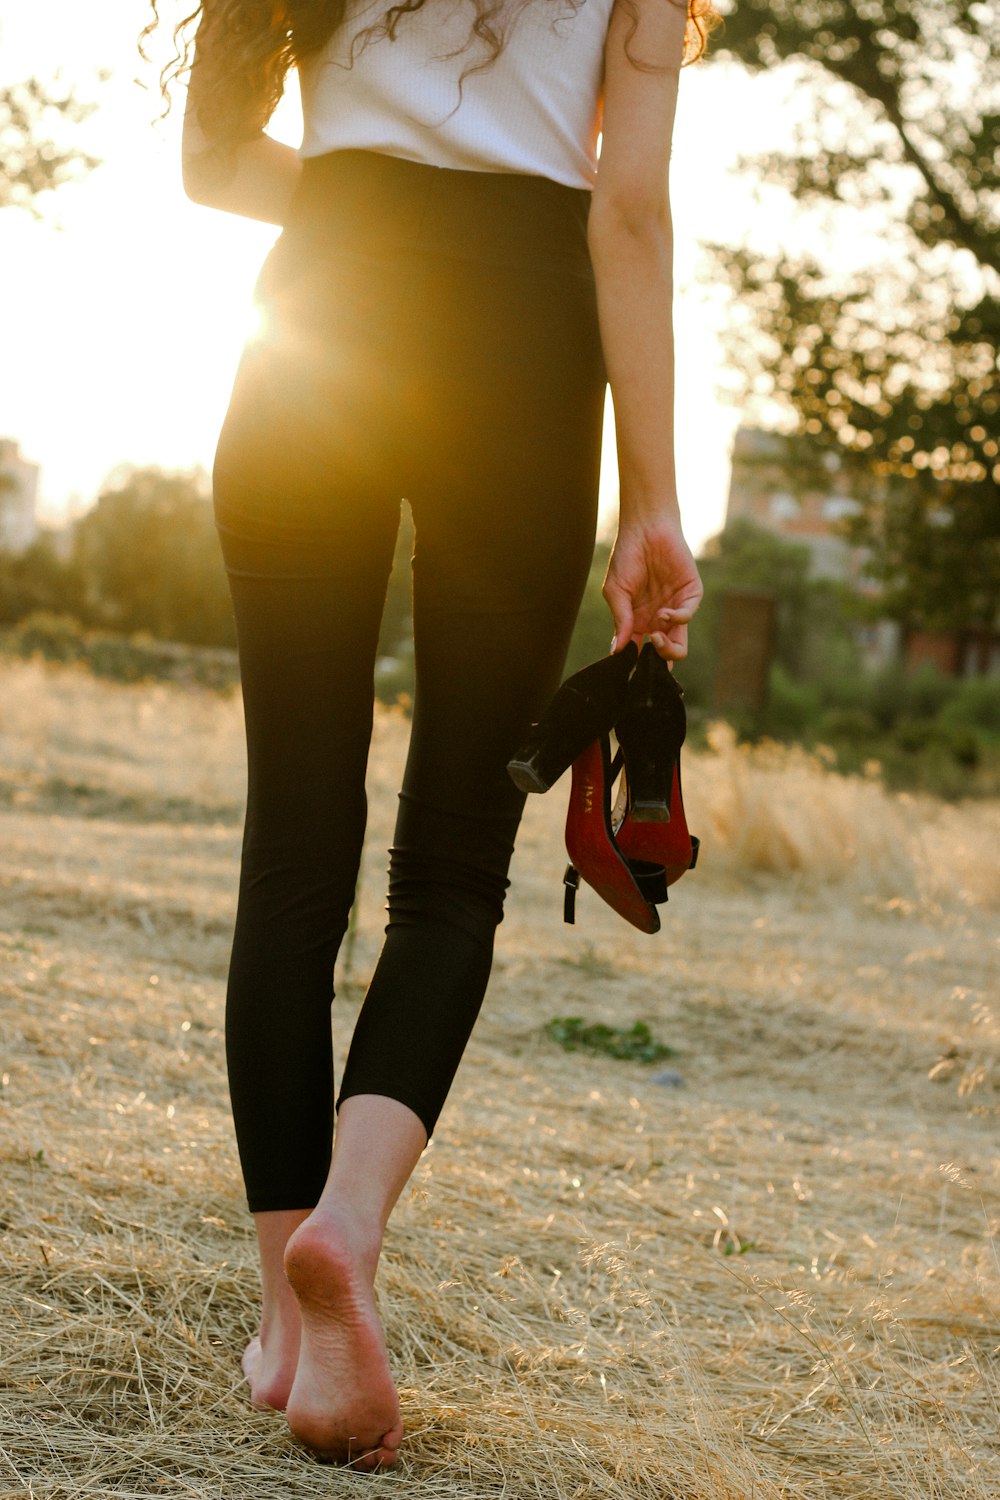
(259, 184)
(652, 585)
(256, 178)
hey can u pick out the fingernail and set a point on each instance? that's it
(614, 643)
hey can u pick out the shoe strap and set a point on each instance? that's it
(650, 879)
(571, 882)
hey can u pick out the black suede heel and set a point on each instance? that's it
(584, 708)
(650, 731)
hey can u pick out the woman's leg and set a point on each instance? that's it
(271, 1358)
(307, 647)
(505, 513)
(307, 536)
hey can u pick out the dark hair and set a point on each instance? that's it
(246, 48)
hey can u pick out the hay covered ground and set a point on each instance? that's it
(779, 1277)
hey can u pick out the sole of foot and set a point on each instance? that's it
(343, 1404)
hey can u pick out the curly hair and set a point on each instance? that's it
(247, 48)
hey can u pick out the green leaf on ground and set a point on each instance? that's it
(634, 1044)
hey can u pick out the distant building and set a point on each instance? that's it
(956, 653)
(18, 499)
(786, 484)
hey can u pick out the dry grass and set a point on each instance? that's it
(780, 1280)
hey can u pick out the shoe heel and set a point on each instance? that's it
(650, 732)
(667, 844)
(583, 709)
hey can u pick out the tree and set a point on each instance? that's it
(33, 158)
(897, 366)
(149, 555)
(37, 580)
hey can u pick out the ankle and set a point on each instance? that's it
(280, 1320)
(361, 1224)
(339, 1232)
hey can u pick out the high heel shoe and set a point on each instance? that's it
(631, 888)
(584, 708)
(651, 731)
(653, 827)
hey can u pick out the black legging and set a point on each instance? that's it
(428, 334)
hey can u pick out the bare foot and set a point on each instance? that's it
(343, 1403)
(269, 1366)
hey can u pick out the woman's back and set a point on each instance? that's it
(434, 92)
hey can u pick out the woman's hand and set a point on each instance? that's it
(652, 586)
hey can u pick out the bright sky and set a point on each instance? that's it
(124, 309)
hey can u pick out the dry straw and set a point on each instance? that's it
(778, 1280)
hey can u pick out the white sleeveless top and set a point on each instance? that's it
(535, 109)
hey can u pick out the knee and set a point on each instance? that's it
(444, 888)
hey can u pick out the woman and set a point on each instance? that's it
(430, 331)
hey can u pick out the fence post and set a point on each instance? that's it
(746, 649)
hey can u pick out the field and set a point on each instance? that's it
(767, 1268)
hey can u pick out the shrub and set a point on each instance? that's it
(848, 724)
(55, 637)
(135, 658)
(916, 736)
(897, 694)
(975, 705)
(793, 708)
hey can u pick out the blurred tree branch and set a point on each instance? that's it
(896, 366)
(33, 158)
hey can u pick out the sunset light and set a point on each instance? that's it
(127, 305)
(499, 943)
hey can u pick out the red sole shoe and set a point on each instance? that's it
(669, 844)
(590, 842)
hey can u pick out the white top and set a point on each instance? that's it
(535, 109)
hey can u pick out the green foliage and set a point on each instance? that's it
(149, 555)
(917, 735)
(895, 695)
(894, 367)
(925, 731)
(636, 1044)
(38, 580)
(52, 636)
(975, 704)
(34, 157)
(792, 707)
(813, 616)
(853, 724)
(138, 658)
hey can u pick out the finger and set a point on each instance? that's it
(679, 614)
(672, 647)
